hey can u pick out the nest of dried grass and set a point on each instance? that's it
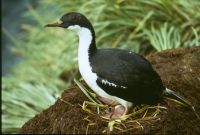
(138, 116)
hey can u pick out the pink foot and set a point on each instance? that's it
(118, 112)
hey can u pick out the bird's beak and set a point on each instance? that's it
(57, 24)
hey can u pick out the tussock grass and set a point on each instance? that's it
(139, 25)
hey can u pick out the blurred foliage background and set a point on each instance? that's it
(143, 26)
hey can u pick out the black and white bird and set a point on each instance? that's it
(120, 77)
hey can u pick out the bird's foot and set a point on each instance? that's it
(118, 112)
(108, 101)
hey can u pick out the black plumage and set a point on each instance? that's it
(134, 76)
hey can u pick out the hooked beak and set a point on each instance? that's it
(57, 24)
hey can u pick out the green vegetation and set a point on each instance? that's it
(143, 26)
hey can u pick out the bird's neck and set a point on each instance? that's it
(87, 45)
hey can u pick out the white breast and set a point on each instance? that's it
(85, 38)
(85, 69)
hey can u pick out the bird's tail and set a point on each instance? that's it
(171, 95)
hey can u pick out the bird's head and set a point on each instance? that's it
(73, 21)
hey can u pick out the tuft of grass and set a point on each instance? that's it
(29, 100)
(164, 38)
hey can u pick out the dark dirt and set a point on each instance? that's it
(179, 70)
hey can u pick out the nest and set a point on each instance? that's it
(135, 119)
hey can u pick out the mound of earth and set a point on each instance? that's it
(179, 70)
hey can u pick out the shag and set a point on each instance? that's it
(120, 78)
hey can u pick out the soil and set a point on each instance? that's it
(179, 70)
